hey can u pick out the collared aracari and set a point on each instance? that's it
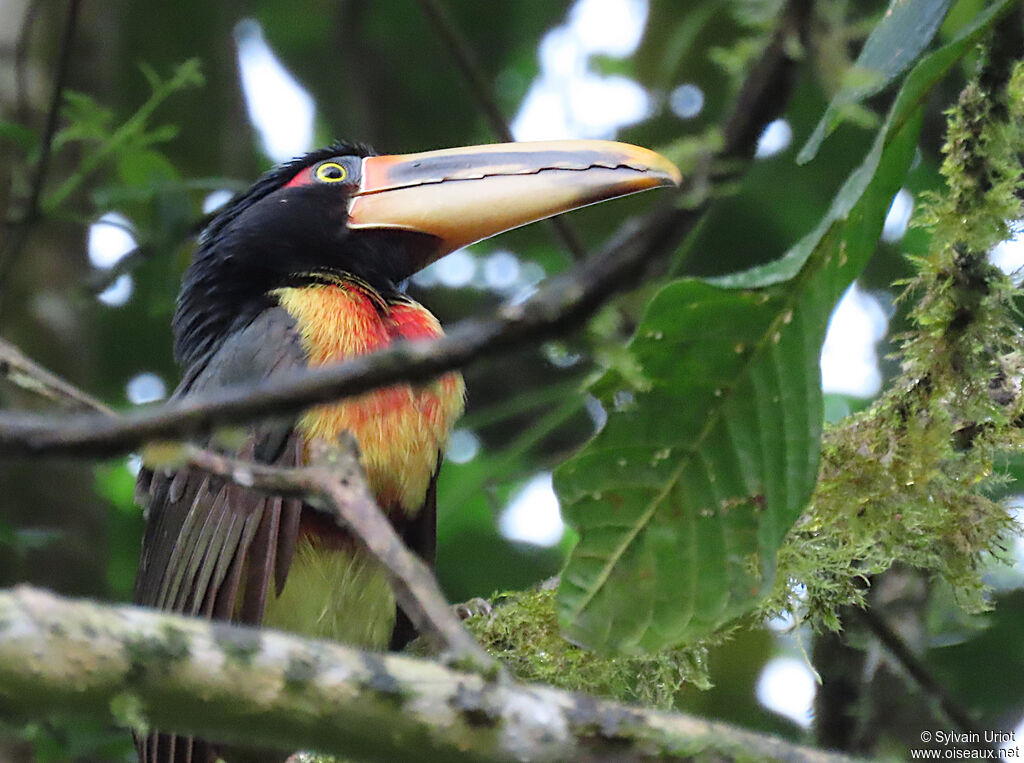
(304, 269)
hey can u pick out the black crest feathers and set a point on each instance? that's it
(244, 252)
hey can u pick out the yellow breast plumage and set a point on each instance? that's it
(400, 429)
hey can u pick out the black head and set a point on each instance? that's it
(289, 227)
(345, 210)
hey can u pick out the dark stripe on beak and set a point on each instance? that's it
(463, 195)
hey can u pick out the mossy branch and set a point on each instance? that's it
(138, 667)
(911, 478)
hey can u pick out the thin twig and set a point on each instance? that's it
(918, 672)
(52, 115)
(337, 486)
(468, 64)
(766, 90)
(21, 47)
(24, 372)
(17, 232)
(99, 280)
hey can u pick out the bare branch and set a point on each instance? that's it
(130, 665)
(337, 486)
(918, 672)
(559, 306)
(468, 64)
(766, 91)
(24, 372)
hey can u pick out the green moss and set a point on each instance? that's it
(907, 480)
(522, 631)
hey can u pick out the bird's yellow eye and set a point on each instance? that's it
(331, 172)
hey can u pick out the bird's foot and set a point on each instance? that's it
(473, 608)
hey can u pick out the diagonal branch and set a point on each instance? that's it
(562, 304)
(468, 64)
(128, 665)
(559, 306)
(766, 91)
(918, 672)
(337, 487)
(24, 372)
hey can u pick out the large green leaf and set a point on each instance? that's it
(905, 30)
(711, 446)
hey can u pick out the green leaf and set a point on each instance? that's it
(162, 134)
(683, 499)
(144, 168)
(92, 122)
(87, 120)
(188, 73)
(902, 34)
(710, 452)
(915, 89)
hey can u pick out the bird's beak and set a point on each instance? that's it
(463, 195)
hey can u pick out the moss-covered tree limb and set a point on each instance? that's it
(135, 666)
(909, 479)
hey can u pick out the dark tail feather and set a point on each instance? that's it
(165, 748)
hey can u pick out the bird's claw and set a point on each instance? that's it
(473, 608)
